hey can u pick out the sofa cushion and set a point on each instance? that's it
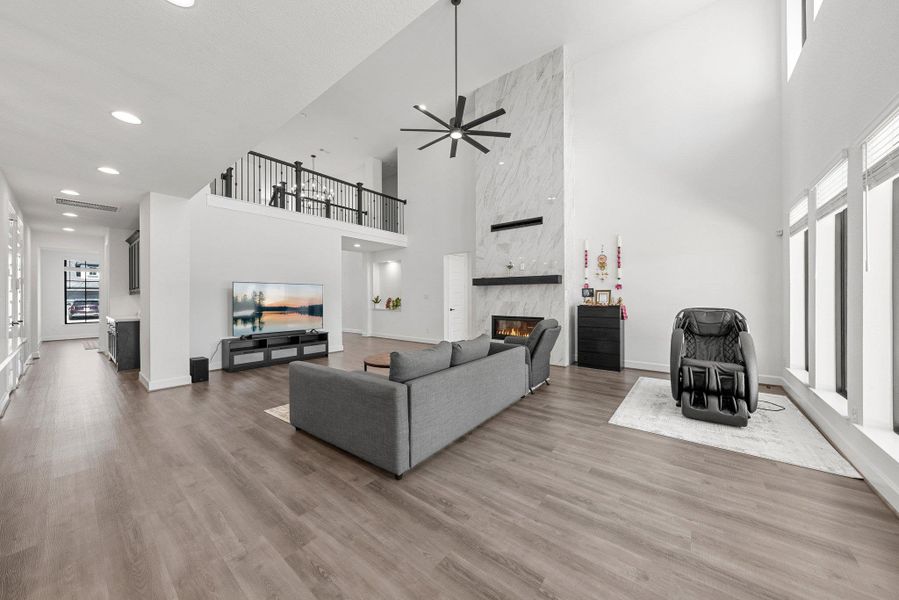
(405, 366)
(469, 350)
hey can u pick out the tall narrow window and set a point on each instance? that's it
(879, 278)
(82, 291)
(841, 276)
(830, 322)
(799, 285)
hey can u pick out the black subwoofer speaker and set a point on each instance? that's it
(199, 369)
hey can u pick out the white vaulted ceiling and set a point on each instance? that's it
(361, 115)
(209, 83)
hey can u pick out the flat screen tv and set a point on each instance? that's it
(258, 308)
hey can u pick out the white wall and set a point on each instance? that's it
(439, 220)
(676, 139)
(228, 245)
(50, 249)
(165, 271)
(355, 292)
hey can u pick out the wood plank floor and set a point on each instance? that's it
(107, 491)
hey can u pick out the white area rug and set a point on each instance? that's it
(786, 436)
(282, 412)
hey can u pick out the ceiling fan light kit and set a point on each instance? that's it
(455, 129)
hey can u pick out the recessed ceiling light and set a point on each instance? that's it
(70, 215)
(108, 170)
(126, 117)
(550, 197)
(357, 245)
(69, 229)
(69, 192)
(182, 3)
(501, 163)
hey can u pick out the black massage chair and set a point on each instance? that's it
(714, 373)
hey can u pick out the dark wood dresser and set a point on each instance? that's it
(600, 337)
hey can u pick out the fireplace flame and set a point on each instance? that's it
(522, 331)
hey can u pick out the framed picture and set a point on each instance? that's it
(604, 297)
(587, 292)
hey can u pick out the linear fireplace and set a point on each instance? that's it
(504, 326)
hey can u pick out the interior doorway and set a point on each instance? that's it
(456, 296)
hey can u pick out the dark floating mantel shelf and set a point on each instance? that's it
(523, 280)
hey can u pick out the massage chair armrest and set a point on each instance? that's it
(677, 353)
(750, 363)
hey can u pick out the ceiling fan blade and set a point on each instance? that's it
(485, 118)
(433, 116)
(460, 109)
(477, 145)
(453, 148)
(440, 139)
(428, 130)
(502, 134)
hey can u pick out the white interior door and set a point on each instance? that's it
(456, 289)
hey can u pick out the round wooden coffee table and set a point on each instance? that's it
(382, 361)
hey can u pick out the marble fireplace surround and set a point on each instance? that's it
(523, 178)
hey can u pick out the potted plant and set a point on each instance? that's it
(376, 300)
(397, 302)
(389, 304)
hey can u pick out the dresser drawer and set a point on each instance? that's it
(599, 322)
(598, 360)
(593, 333)
(599, 345)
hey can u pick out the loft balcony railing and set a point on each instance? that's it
(261, 179)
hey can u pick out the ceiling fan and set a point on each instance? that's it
(455, 129)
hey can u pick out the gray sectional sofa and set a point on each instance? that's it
(432, 397)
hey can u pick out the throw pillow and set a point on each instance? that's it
(405, 366)
(469, 350)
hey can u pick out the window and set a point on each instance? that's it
(798, 16)
(14, 301)
(82, 291)
(830, 279)
(881, 259)
(799, 288)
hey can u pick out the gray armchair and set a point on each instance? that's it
(539, 345)
(714, 373)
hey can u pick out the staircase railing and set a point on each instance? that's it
(261, 179)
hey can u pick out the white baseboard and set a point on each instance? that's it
(876, 466)
(664, 368)
(63, 338)
(359, 331)
(161, 384)
(405, 338)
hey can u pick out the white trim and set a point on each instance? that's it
(70, 337)
(877, 467)
(357, 231)
(161, 384)
(359, 331)
(665, 368)
(405, 338)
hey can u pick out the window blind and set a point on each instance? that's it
(882, 153)
(831, 191)
(799, 216)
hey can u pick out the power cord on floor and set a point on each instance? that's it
(778, 407)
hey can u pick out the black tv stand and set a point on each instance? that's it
(251, 352)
